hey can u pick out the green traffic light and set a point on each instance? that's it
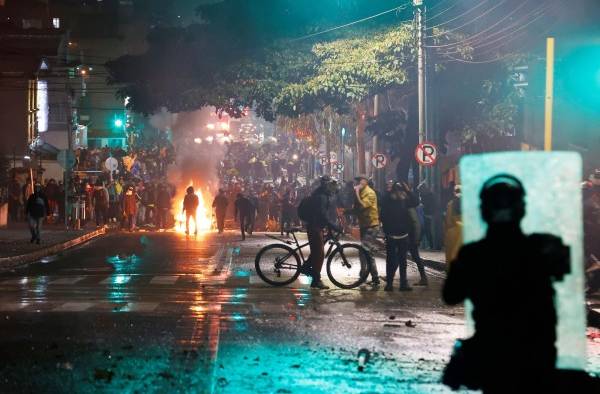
(118, 123)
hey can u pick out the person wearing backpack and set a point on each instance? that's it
(35, 210)
(190, 205)
(398, 224)
(314, 211)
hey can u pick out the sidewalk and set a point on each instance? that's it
(16, 248)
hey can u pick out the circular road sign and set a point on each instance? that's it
(111, 164)
(379, 160)
(426, 154)
(332, 157)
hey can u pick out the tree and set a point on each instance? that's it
(238, 56)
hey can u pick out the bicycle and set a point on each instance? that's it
(280, 264)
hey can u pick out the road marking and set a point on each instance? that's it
(67, 281)
(164, 280)
(12, 307)
(73, 307)
(140, 307)
(16, 281)
(116, 280)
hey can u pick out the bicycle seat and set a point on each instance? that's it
(293, 229)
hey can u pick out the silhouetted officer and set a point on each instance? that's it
(508, 277)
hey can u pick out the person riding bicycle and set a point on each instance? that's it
(318, 220)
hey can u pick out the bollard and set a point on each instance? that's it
(363, 358)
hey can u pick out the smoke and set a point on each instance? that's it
(195, 164)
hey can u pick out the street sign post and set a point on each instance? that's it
(379, 160)
(111, 164)
(426, 154)
(332, 157)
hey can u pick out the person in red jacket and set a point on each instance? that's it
(129, 206)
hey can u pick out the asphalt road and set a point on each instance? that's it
(159, 312)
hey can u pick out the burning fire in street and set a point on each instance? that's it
(203, 213)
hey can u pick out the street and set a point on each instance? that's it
(159, 312)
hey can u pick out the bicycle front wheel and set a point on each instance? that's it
(277, 264)
(347, 266)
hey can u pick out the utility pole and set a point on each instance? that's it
(419, 24)
(549, 99)
(68, 169)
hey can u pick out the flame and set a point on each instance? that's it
(203, 215)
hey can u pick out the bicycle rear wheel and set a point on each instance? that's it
(347, 266)
(277, 264)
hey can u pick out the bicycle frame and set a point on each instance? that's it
(333, 242)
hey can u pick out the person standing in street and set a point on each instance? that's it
(314, 211)
(453, 226)
(220, 206)
(366, 210)
(163, 206)
(190, 206)
(429, 208)
(129, 207)
(508, 276)
(36, 209)
(414, 235)
(243, 210)
(397, 223)
(100, 201)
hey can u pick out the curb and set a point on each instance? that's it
(7, 263)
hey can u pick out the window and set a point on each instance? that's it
(56, 23)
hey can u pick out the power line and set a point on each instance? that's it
(395, 9)
(468, 39)
(541, 14)
(441, 12)
(459, 16)
(501, 2)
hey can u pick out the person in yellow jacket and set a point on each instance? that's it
(453, 226)
(367, 213)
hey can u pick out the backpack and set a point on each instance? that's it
(306, 209)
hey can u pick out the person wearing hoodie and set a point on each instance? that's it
(35, 210)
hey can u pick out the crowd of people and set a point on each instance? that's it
(136, 193)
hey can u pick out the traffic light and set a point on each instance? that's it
(118, 122)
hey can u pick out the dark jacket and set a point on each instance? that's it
(163, 198)
(220, 203)
(37, 205)
(243, 206)
(508, 277)
(322, 205)
(395, 216)
(190, 203)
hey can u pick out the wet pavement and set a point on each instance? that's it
(159, 312)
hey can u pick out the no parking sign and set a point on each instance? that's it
(426, 154)
(379, 160)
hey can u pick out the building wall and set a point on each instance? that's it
(14, 120)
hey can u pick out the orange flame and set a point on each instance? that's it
(203, 215)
